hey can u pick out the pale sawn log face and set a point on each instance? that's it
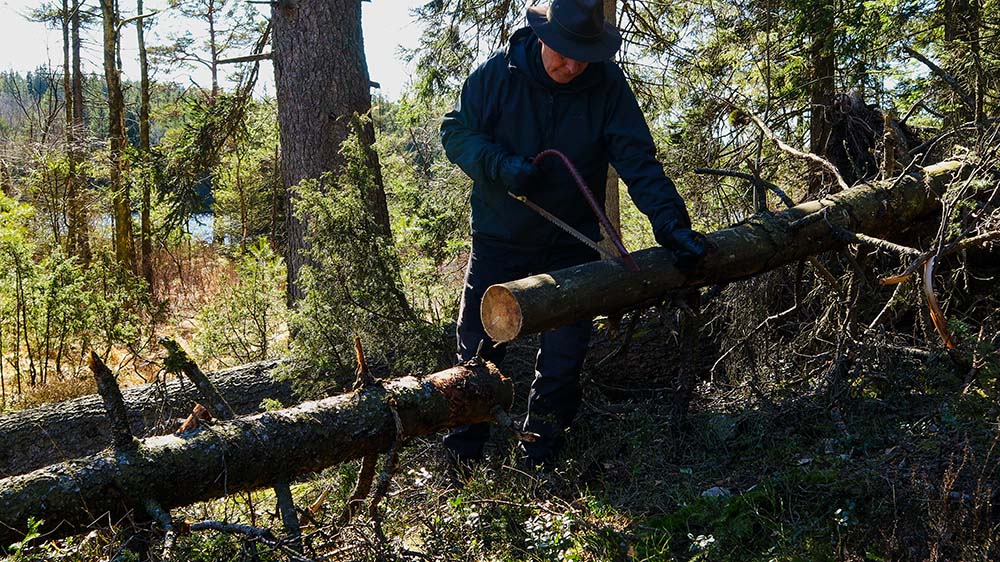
(51, 433)
(244, 454)
(763, 243)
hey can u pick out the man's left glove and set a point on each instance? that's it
(517, 173)
(689, 246)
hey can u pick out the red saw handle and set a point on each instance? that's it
(589, 196)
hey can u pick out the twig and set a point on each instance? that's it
(747, 337)
(957, 246)
(885, 309)
(245, 58)
(917, 104)
(389, 468)
(798, 153)
(948, 78)
(859, 238)
(114, 405)
(137, 17)
(363, 377)
(261, 533)
(622, 347)
(162, 517)
(937, 316)
(361, 489)
(750, 178)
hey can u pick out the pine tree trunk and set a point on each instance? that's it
(146, 227)
(77, 212)
(821, 89)
(321, 79)
(121, 202)
(71, 188)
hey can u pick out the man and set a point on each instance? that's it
(553, 87)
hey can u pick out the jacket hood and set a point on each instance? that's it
(524, 57)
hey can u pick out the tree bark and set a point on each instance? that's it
(121, 202)
(72, 197)
(821, 88)
(31, 439)
(246, 453)
(145, 224)
(321, 81)
(549, 300)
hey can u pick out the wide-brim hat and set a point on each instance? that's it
(576, 29)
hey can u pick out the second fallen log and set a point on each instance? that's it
(246, 453)
(37, 437)
(550, 300)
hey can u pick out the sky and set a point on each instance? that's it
(25, 45)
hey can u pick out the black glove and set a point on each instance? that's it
(689, 246)
(517, 173)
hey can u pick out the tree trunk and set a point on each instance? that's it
(121, 203)
(71, 195)
(321, 81)
(31, 439)
(821, 88)
(246, 453)
(961, 44)
(77, 209)
(146, 227)
(549, 300)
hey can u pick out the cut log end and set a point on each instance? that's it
(501, 314)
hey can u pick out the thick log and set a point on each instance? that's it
(31, 439)
(246, 453)
(767, 241)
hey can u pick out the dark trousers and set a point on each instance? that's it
(555, 392)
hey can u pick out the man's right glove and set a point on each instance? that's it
(689, 246)
(517, 173)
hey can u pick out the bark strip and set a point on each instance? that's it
(550, 300)
(244, 454)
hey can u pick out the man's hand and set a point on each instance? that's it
(689, 246)
(517, 173)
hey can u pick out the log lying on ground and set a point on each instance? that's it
(246, 453)
(550, 300)
(31, 439)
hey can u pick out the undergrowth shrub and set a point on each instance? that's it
(352, 281)
(246, 323)
(53, 310)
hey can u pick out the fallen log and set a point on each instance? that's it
(767, 241)
(246, 453)
(31, 439)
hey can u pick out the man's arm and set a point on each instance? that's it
(462, 134)
(632, 152)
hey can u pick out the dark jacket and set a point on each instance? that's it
(509, 105)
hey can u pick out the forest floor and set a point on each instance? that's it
(894, 464)
(883, 452)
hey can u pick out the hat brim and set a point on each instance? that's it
(600, 49)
